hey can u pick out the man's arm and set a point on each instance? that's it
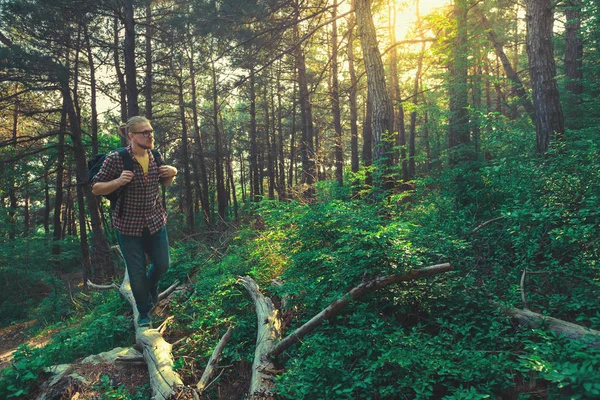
(104, 188)
(167, 174)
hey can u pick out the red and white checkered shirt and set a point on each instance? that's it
(140, 198)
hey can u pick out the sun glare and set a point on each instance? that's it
(406, 13)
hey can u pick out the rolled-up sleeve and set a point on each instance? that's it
(111, 169)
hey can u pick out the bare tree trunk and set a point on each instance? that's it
(307, 147)
(335, 100)
(101, 258)
(269, 136)
(254, 176)
(221, 195)
(542, 70)
(149, 75)
(395, 97)
(199, 146)
(188, 201)
(130, 72)
(93, 95)
(120, 76)
(354, 161)
(367, 134)
(12, 194)
(281, 185)
(508, 69)
(458, 124)
(383, 116)
(60, 171)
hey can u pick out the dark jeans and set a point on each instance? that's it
(134, 249)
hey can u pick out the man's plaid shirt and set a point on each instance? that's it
(140, 198)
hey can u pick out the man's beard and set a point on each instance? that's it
(146, 146)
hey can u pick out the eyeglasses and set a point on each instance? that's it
(145, 133)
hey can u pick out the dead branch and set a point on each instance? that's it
(212, 363)
(573, 331)
(365, 287)
(486, 223)
(523, 295)
(102, 287)
(270, 326)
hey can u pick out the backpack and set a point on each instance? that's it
(95, 164)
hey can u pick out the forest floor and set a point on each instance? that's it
(14, 335)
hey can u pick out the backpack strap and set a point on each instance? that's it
(126, 157)
(127, 165)
(157, 157)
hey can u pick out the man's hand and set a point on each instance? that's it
(125, 178)
(167, 171)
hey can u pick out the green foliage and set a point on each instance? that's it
(26, 367)
(572, 367)
(28, 271)
(109, 391)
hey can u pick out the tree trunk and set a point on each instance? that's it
(149, 76)
(188, 201)
(395, 96)
(254, 176)
(367, 149)
(307, 148)
(508, 69)
(130, 72)
(458, 129)
(199, 147)
(281, 185)
(60, 171)
(120, 76)
(352, 94)
(101, 258)
(221, 194)
(93, 95)
(542, 70)
(383, 116)
(335, 100)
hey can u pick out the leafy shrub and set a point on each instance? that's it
(18, 379)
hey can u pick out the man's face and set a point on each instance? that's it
(142, 135)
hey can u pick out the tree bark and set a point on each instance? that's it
(221, 194)
(458, 124)
(130, 71)
(508, 69)
(188, 202)
(383, 116)
(542, 70)
(352, 95)
(149, 74)
(101, 258)
(395, 96)
(204, 201)
(307, 148)
(573, 331)
(120, 76)
(335, 99)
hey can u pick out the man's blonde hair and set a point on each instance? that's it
(124, 128)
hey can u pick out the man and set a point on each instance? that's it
(139, 217)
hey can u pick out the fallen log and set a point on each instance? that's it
(573, 331)
(268, 331)
(164, 381)
(270, 325)
(365, 287)
(212, 363)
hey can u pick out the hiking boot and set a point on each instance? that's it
(144, 320)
